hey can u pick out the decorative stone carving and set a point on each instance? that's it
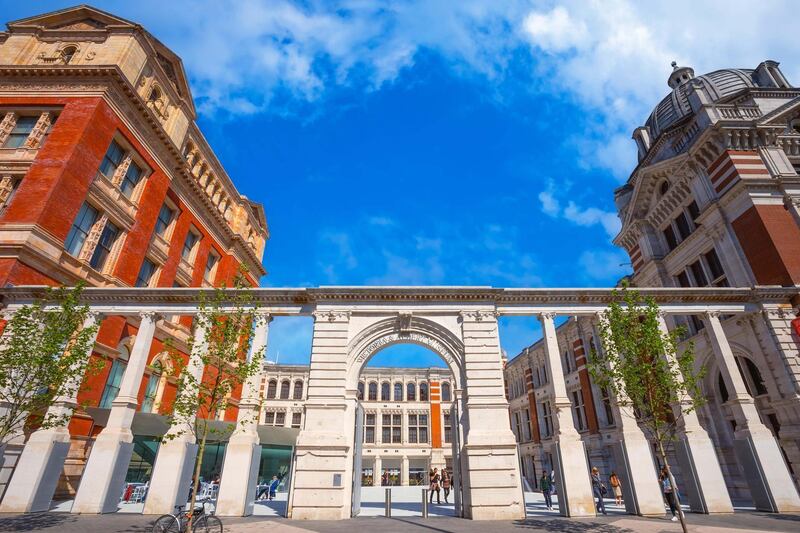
(6, 186)
(93, 238)
(6, 126)
(404, 322)
(39, 130)
(332, 316)
(479, 315)
(119, 173)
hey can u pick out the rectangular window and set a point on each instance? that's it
(515, 426)
(715, 268)
(132, 178)
(14, 186)
(113, 158)
(683, 279)
(150, 393)
(189, 244)
(81, 227)
(369, 428)
(165, 216)
(694, 212)
(698, 274)
(418, 429)
(448, 428)
(269, 418)
(547, 419)
(578, 410)
(296, 417)
(211, 267)
(112, 384)
(682, 224)
(605, 395)
(280, 418)
(526, 428)
(104, 246)
(145, 273)
(669, 235)
(391, 429)
(22, 130)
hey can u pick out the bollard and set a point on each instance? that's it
(388, 503)
(424, 503)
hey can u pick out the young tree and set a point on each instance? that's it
(226, 318)
(649, 371)
(44, 354)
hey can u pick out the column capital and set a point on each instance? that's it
(548, 315)
(150, 316)
(479, 315)
(712, 314)
(264, 316)
(331, 316)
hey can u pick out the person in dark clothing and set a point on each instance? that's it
(547, 487)
(446, 484)
(599, 490)
(435, 480)
(669, 493)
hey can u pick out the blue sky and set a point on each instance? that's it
(440, 143)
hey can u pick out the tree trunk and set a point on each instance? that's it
(196, 480)
(674, 485)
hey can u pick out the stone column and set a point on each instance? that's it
(33, 484)
(377, 471)
(491, 474)
(104, 475)
(243, 453)
(640, 487)
(324, 451)
(572, 473)
(704, 483)
(764, 468)
(404, 471)
(172, 472)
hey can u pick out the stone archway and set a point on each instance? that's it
(343, 342)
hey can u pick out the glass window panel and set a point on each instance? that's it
(164, 219)
(111, 160)
(104, 246)
(112, 383)
(132, 178)
(683, 226)
(86, 218)
(145, 273)
(21, 132)
(699, 274)
(669, 236)
(188, 244)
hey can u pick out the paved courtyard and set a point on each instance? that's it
(406, 516)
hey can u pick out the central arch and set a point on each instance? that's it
(405, 330)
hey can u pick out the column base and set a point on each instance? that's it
(573, 485)
(703, 482)
(495, 490)
(104, 475)
(239, 477)
(40, 466)
(639, 481)
(172, 477)
(771, 485)
(321, 485)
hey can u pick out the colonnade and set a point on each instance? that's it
(458, 323)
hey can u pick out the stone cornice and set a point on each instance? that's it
(165, 152)
(304, 301)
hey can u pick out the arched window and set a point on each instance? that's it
(155, 94)
(723, 390)
(411, 392)
(663, 188)
(385, 390)
(298, 390)
(360, 390)
(373, 391)
(398, 392)
(67, 53)
(423, 392)
(272, 389)
(753, 381)
(446, 392)
(285, 390)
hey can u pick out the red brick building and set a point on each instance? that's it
(105, 177)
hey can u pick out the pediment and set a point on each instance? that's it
(783, 114)
(79, 18)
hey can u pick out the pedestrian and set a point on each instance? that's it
(435, 480)
(599, 490)
(547, 486)
(616, 486)
(385, 478)
(669, 492)
(446, 482)
(273, 487)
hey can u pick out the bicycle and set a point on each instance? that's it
(202, 522)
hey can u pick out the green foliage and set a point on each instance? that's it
(226, 319)
(44, 354)
(646, 369)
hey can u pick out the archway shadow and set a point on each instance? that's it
(569, 526)
(34, 521)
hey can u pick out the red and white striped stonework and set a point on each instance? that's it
(636, 258)
(732, 165)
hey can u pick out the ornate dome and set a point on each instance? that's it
(717, 85)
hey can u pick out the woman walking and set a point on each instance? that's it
(435, 479)
(599, 490)
(547, 487)
(616, 486)
(446, 482)
(670, 493)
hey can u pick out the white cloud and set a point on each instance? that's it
(590, 216)
(550, 205)
(555, 31)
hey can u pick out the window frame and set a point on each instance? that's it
(13, 134)
(150, 277)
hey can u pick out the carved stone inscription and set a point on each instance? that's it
(416, 338)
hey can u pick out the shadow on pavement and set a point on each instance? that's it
(34, 521)
(569, 526)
